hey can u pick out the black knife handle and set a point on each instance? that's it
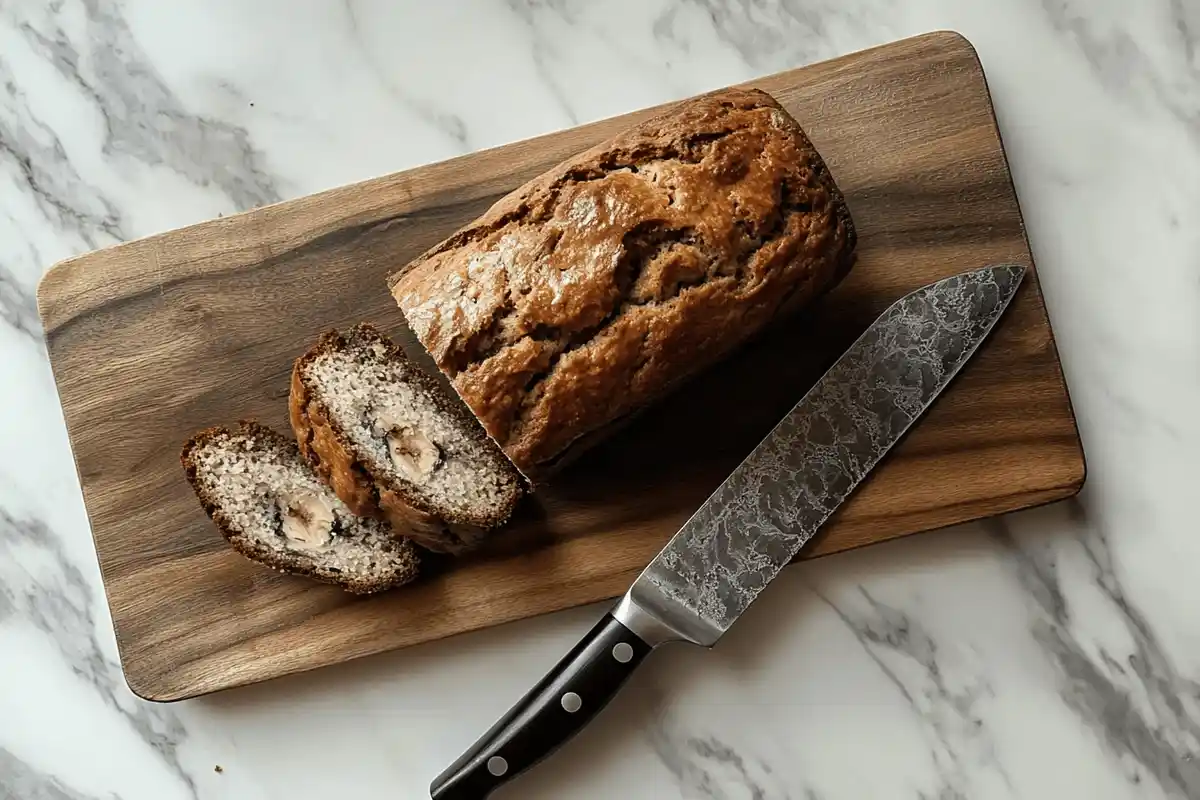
(550, 714)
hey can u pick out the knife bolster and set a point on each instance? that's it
(645, 624)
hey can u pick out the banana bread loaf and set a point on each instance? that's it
(598, 287)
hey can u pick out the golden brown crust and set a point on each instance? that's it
(321, 447)
(598, 287)
(255, 550)
(367, 492)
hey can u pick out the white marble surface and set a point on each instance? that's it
(1050, 654)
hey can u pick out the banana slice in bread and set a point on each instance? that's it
(393, 445)
(272, 508)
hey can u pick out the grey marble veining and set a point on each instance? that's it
(706, 767)
(545, 48)
(43, 167)
(139, 116)
(43, 588)
(943, 698)
(20, 781)
(446, 123)
(1145, 711)
(1151, 70)
(766, 35)
(18, 309)
(1049, 654)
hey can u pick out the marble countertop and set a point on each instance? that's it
(1049, 654)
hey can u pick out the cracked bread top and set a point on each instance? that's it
(596, 288)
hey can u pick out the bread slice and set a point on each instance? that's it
(393, 445)
(273, 509)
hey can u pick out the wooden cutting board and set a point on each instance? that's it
(156, 338)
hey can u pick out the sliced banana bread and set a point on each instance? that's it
(391, 443)
(273, 509)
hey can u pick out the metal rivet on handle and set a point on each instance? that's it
(497, 766)
(571, 702)
(623, 652)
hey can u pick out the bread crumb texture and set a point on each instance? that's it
(273, 508)
(397, 421)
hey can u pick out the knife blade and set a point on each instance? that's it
(757, 520)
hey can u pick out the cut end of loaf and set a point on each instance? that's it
(273, 509)
(408, 436)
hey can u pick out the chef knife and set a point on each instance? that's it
(757, 520)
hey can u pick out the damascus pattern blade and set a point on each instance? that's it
(774, 502)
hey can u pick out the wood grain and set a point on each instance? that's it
(154, 339)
